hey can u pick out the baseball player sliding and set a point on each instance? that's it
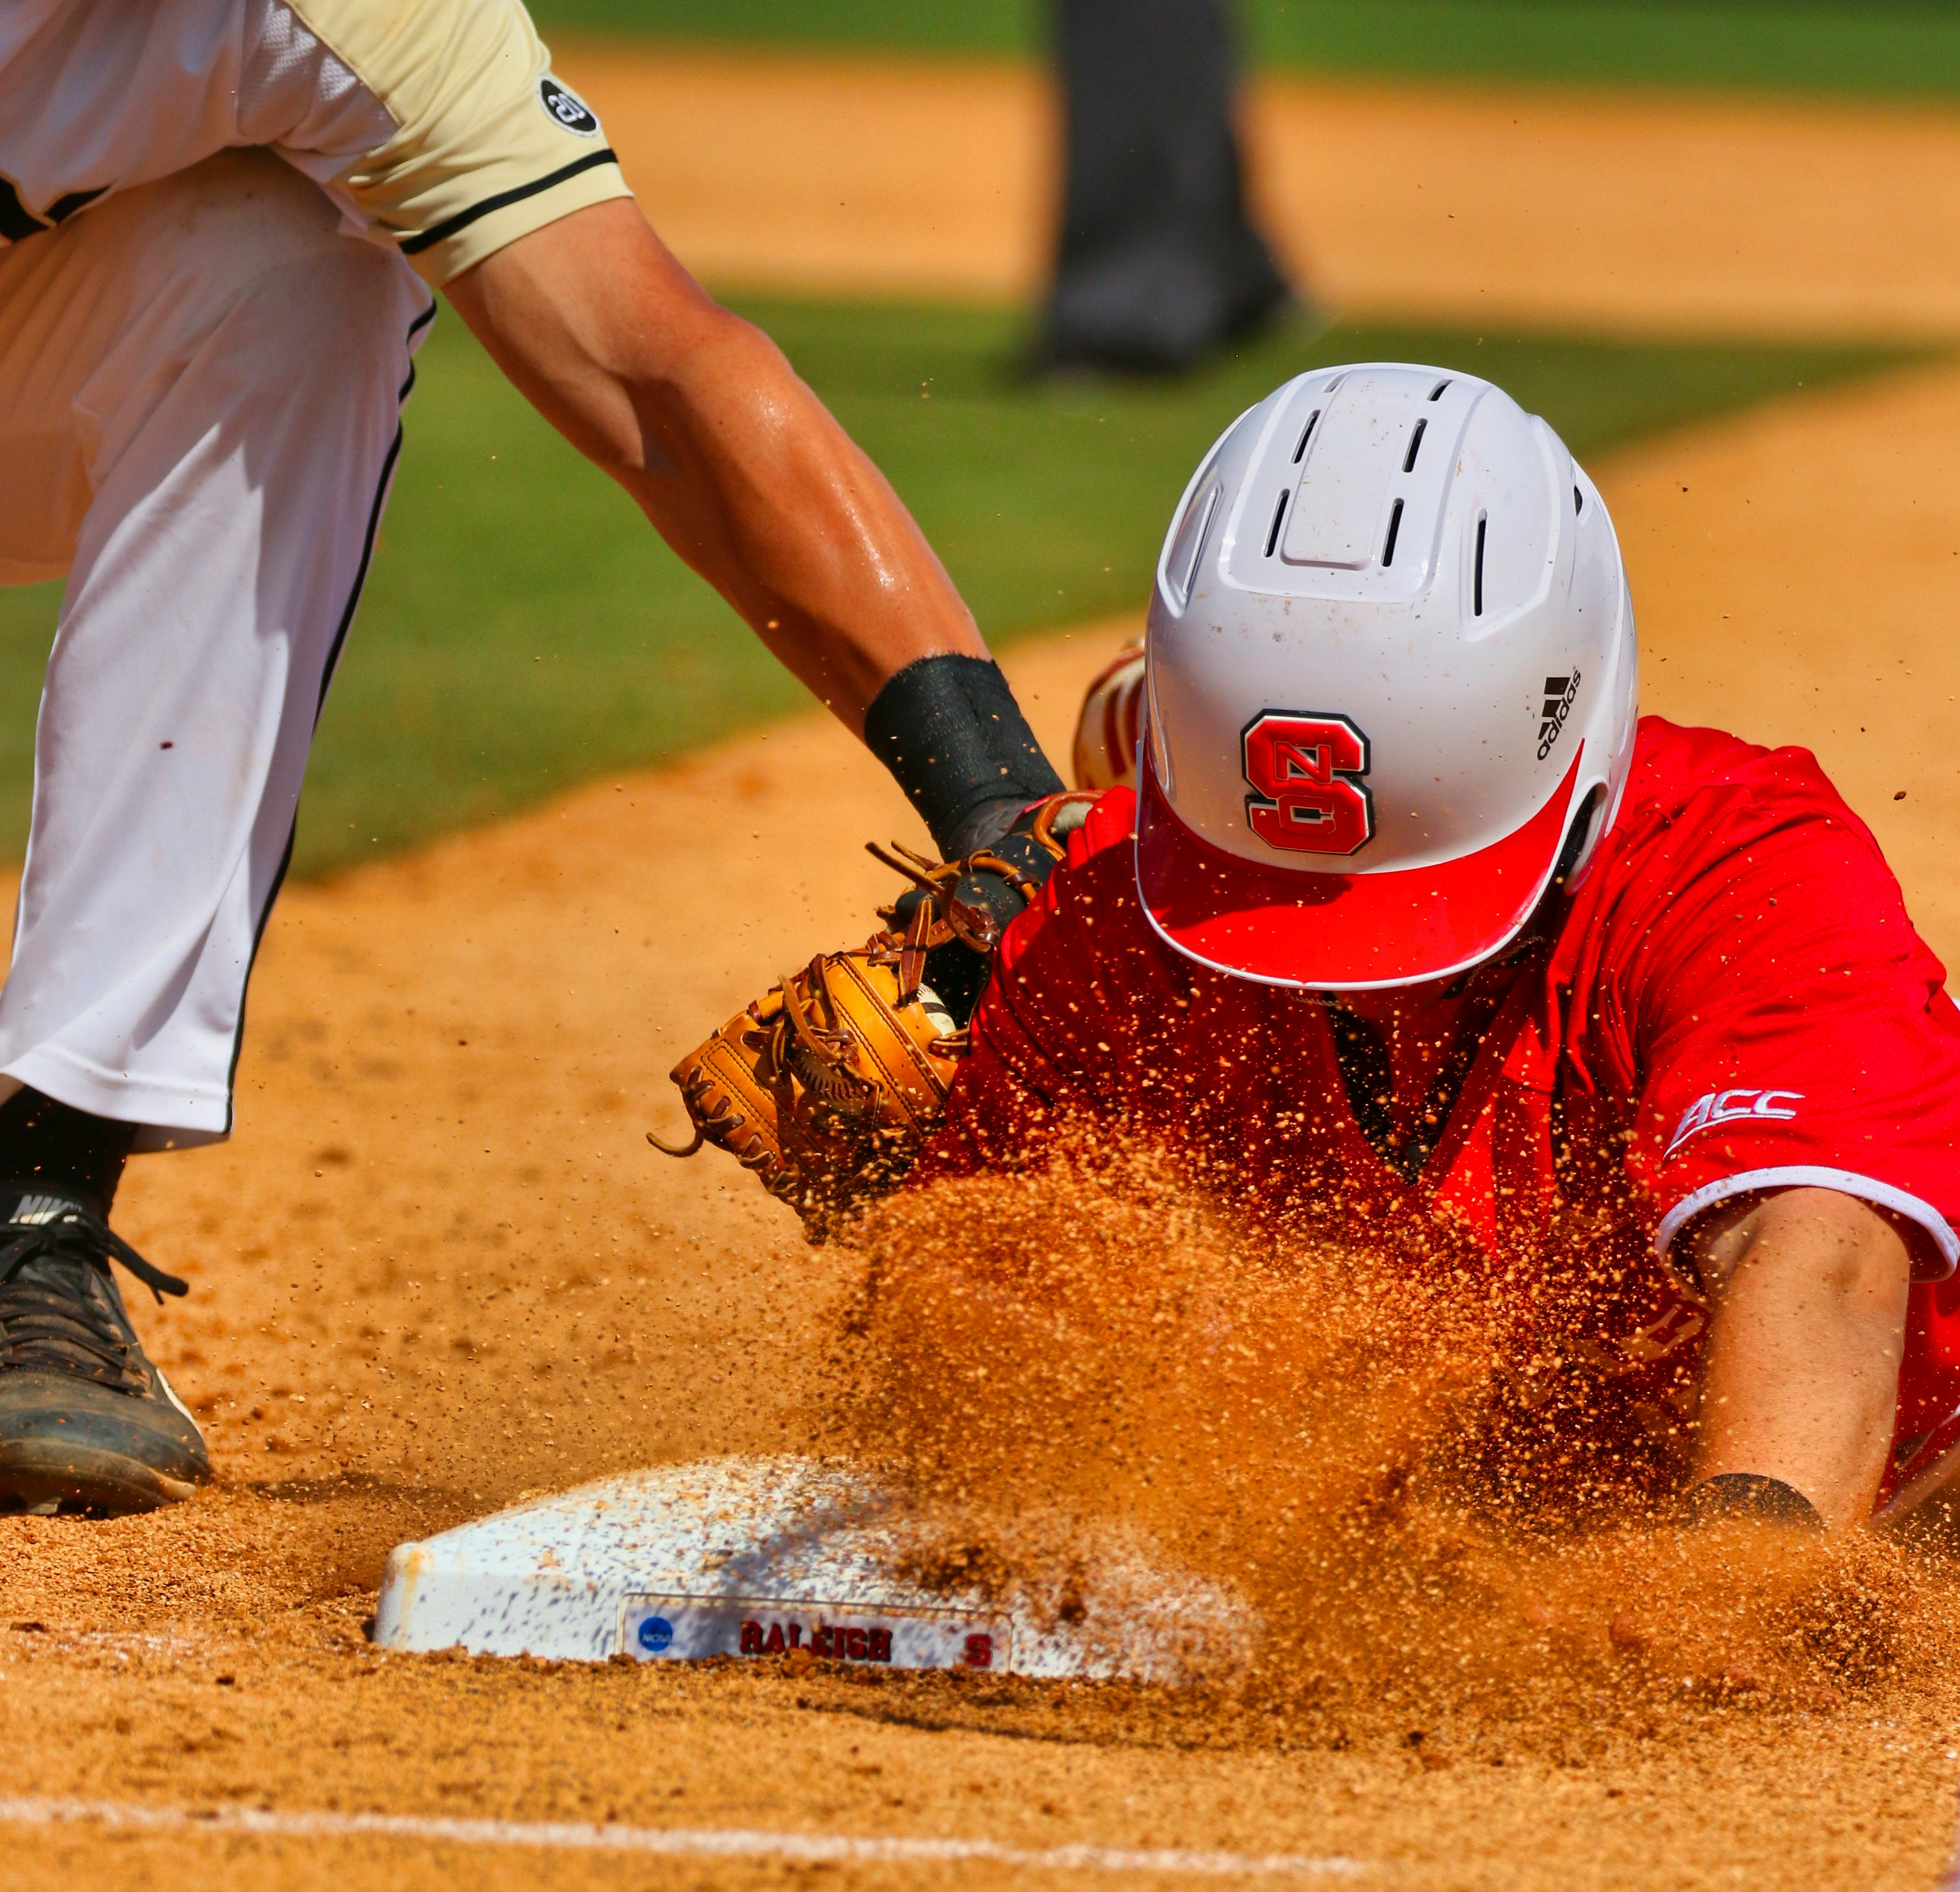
(222, 223)
(1409, 927)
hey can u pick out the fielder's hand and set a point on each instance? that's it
(828, 1087)
(973, 901)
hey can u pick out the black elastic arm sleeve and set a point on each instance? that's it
(953, 736)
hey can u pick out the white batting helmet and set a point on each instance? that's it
(1390, 684)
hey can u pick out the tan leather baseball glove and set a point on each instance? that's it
(828, 1087)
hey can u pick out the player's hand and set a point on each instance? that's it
(974, 901)
(828, 1087)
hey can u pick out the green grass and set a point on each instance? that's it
(1880, 46)
(523, 630)
(919, 26)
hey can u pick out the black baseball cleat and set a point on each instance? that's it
(87, 1424)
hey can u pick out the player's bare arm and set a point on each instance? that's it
(1807, 1291)
(743, 471)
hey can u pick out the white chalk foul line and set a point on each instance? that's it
(696, 1841)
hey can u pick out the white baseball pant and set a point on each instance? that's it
(201, 383)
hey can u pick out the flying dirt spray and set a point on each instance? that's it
(1062, 1363)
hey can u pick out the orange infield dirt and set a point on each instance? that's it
(438, 1267)
(1636, 213)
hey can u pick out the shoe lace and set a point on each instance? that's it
(48, 1314)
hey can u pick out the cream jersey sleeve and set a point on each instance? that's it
(487, 145)
(435, 125)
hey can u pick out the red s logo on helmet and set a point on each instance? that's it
(1303, 768)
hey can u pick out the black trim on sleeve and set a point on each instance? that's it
(414, 245)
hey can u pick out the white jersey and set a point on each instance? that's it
(435, 126)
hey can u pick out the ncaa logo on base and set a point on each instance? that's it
(656, 1634)
(1730, 1107)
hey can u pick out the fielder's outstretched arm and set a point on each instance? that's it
(697, 414)
(1807, 1290)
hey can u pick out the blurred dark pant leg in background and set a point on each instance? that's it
(1158, 263)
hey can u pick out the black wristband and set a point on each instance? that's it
(1750, 1495)
(953, 736)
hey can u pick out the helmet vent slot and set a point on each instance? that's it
(1305, 435)
(1415, 447)
(1181, 569)
(1477, 577)
(1395, 526)
(1436, 392)
(1273, 531)
(1578, 503)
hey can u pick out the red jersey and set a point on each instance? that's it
(1733, 999)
